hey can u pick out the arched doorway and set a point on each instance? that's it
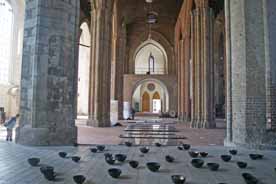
(145, 102)
(83, 71)
(11, 43)
(150, 95)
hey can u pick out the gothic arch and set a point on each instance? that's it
(159, 38)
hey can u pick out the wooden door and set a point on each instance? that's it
(145, 102)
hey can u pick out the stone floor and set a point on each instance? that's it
(14, 168)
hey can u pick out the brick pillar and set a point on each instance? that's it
(249, 50)
(121, 49)
(101, 24)
(49, 73)
(207, 78)
(193, 110)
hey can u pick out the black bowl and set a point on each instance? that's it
(193, 154)
(197, 163)
(110, 160)
(79, 179)
(226, 158)
(186, 146)
(169, 158)
(249, 178)
(133, 163)
(75, 159)
(50, 176)
(34, 161)
(153, 166)
(157, 144)
(213, 166)
(128, 144)
(120, 157)
(178, 179)
(114, 172)
(203, 154)
(233, 152)
(242, 165)
(144, 149)
(93, 150)
(100, 147)
(62, 154)
(45, 169)
(180, 147)
(256, 156)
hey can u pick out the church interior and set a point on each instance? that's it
(137, 91)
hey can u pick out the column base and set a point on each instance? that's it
(44, 137)
(228, 143)
(98, 123)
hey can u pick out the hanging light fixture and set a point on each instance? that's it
(151, 17)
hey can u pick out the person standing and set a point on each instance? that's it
(10, 124)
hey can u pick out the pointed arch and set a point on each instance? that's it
(156, 96)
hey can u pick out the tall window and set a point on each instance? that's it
(6, 22)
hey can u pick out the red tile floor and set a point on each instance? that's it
(196, 137)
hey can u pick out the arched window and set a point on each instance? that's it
(150, 58)
(6, 22)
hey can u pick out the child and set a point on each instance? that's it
(10, 124)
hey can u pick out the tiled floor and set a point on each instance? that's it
(14, 168)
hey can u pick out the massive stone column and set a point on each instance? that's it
(248, 55)
(99, 95)
(49, 73)
(270, 46)
(229, 134)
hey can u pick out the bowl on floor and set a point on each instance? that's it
(120, 157)
(178, 179)
(242, 165)
(226, 158)
(33, 161)
(114, 172)
(186, 146)
(100, 147)
(233, 152)
(133, 163)
(62, 154)
(203, 154)
(193, 154)
(213, 166)
(169, 158)
(153, 166)
(197, 163)
(249, 178)
(79, 179)
(75, 159)
(256, 156)
(144, 149)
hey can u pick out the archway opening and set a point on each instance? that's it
(151, 58)
(83, 72)
(150, 96)
(11, 43)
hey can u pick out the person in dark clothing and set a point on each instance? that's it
(10, 124)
